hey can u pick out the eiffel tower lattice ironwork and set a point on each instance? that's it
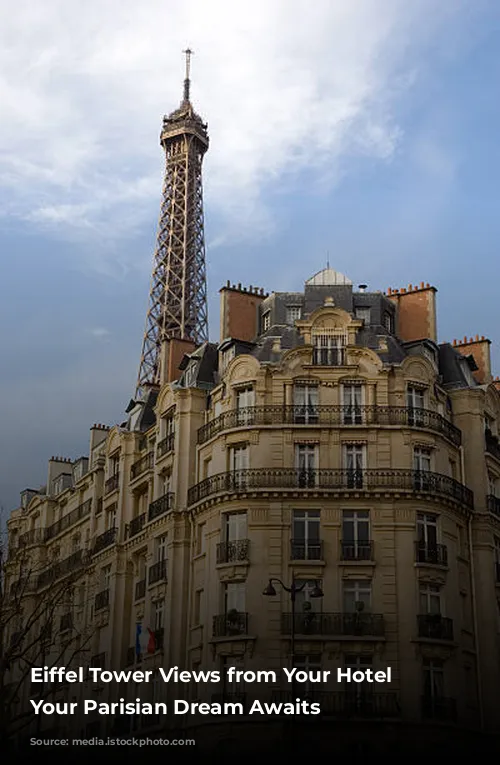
(178, 292)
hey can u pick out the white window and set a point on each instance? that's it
(245, 400)
(430, 599)
(235, 527)
(190, 374)
(111, 517)
(427, 529)
(329, 348)
(238, 464)
(293, 314)
(306, 543)
(354, 464)
(105, 577)
(363, 313)
(352, 400)
(356, 544)
(306, 460)
(415, 402)
(303, 600)
(167, 426)
(234, 597)
(421, 459)
(161, 548)
(357, 595)
(166, 483)
(158, 614)
(305, 403)
(201, 538)
(388, 322)
(433, 679)
(266, 321)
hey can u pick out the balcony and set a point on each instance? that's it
(372, 480)
(300, 549)
(356, 551)
(233, 552)
(165, 445)
(356, 624)
(104, 540)
(493, 504)
(112, 484)
(142, 465)
(80, 512)
(361, 703)
(340, 416)
(69, 565)
(231, 624)
(136, 525)
(102, 600)
(140, 590)
(161, 506)
(334, 356)
(431, 554)
(435, 627)
(31, 537)
(158, 572)
(439, 708)
(66, 622)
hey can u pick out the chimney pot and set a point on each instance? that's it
(427, 285)
(239, 285)
(422, 285)
(410, 287)
(477, 338)
(482, 337)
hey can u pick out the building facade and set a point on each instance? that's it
(328, 440)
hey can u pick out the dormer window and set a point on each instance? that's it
(293, 314)
(266, 321)
(363, 313)
(226, 356)
(190, 374)
(388, 322)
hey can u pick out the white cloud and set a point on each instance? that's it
(284, 85)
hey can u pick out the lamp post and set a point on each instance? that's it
(293, 589)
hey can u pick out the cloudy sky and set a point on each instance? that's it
(360, 131)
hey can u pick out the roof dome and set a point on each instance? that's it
(328, 277)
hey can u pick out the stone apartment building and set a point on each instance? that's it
(327, 439)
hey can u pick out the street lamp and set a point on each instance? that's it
(293, 589)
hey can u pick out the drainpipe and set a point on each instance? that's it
(473, 598)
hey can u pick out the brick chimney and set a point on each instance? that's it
(479, 348)
(172, 352)
(415, 312)
(239, 312)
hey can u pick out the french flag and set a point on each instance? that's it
(144, 640)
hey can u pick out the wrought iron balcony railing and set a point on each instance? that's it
(140, 589)
(112, 483)
(359, 703)
(31, 537)
(353, 551)
(136, 525)
(69, 565)
(142, 465)
(232, 623)
(104, 540)
(82, 511)
(358, 624)
(439, 708)
(158, 572)
(161, 506)
(301, 549)
(493, 504)
(102, 599)
(435, 627)
(412, 481)
(233, 552)
(433, 554)
(165, 445)
(340, 416)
